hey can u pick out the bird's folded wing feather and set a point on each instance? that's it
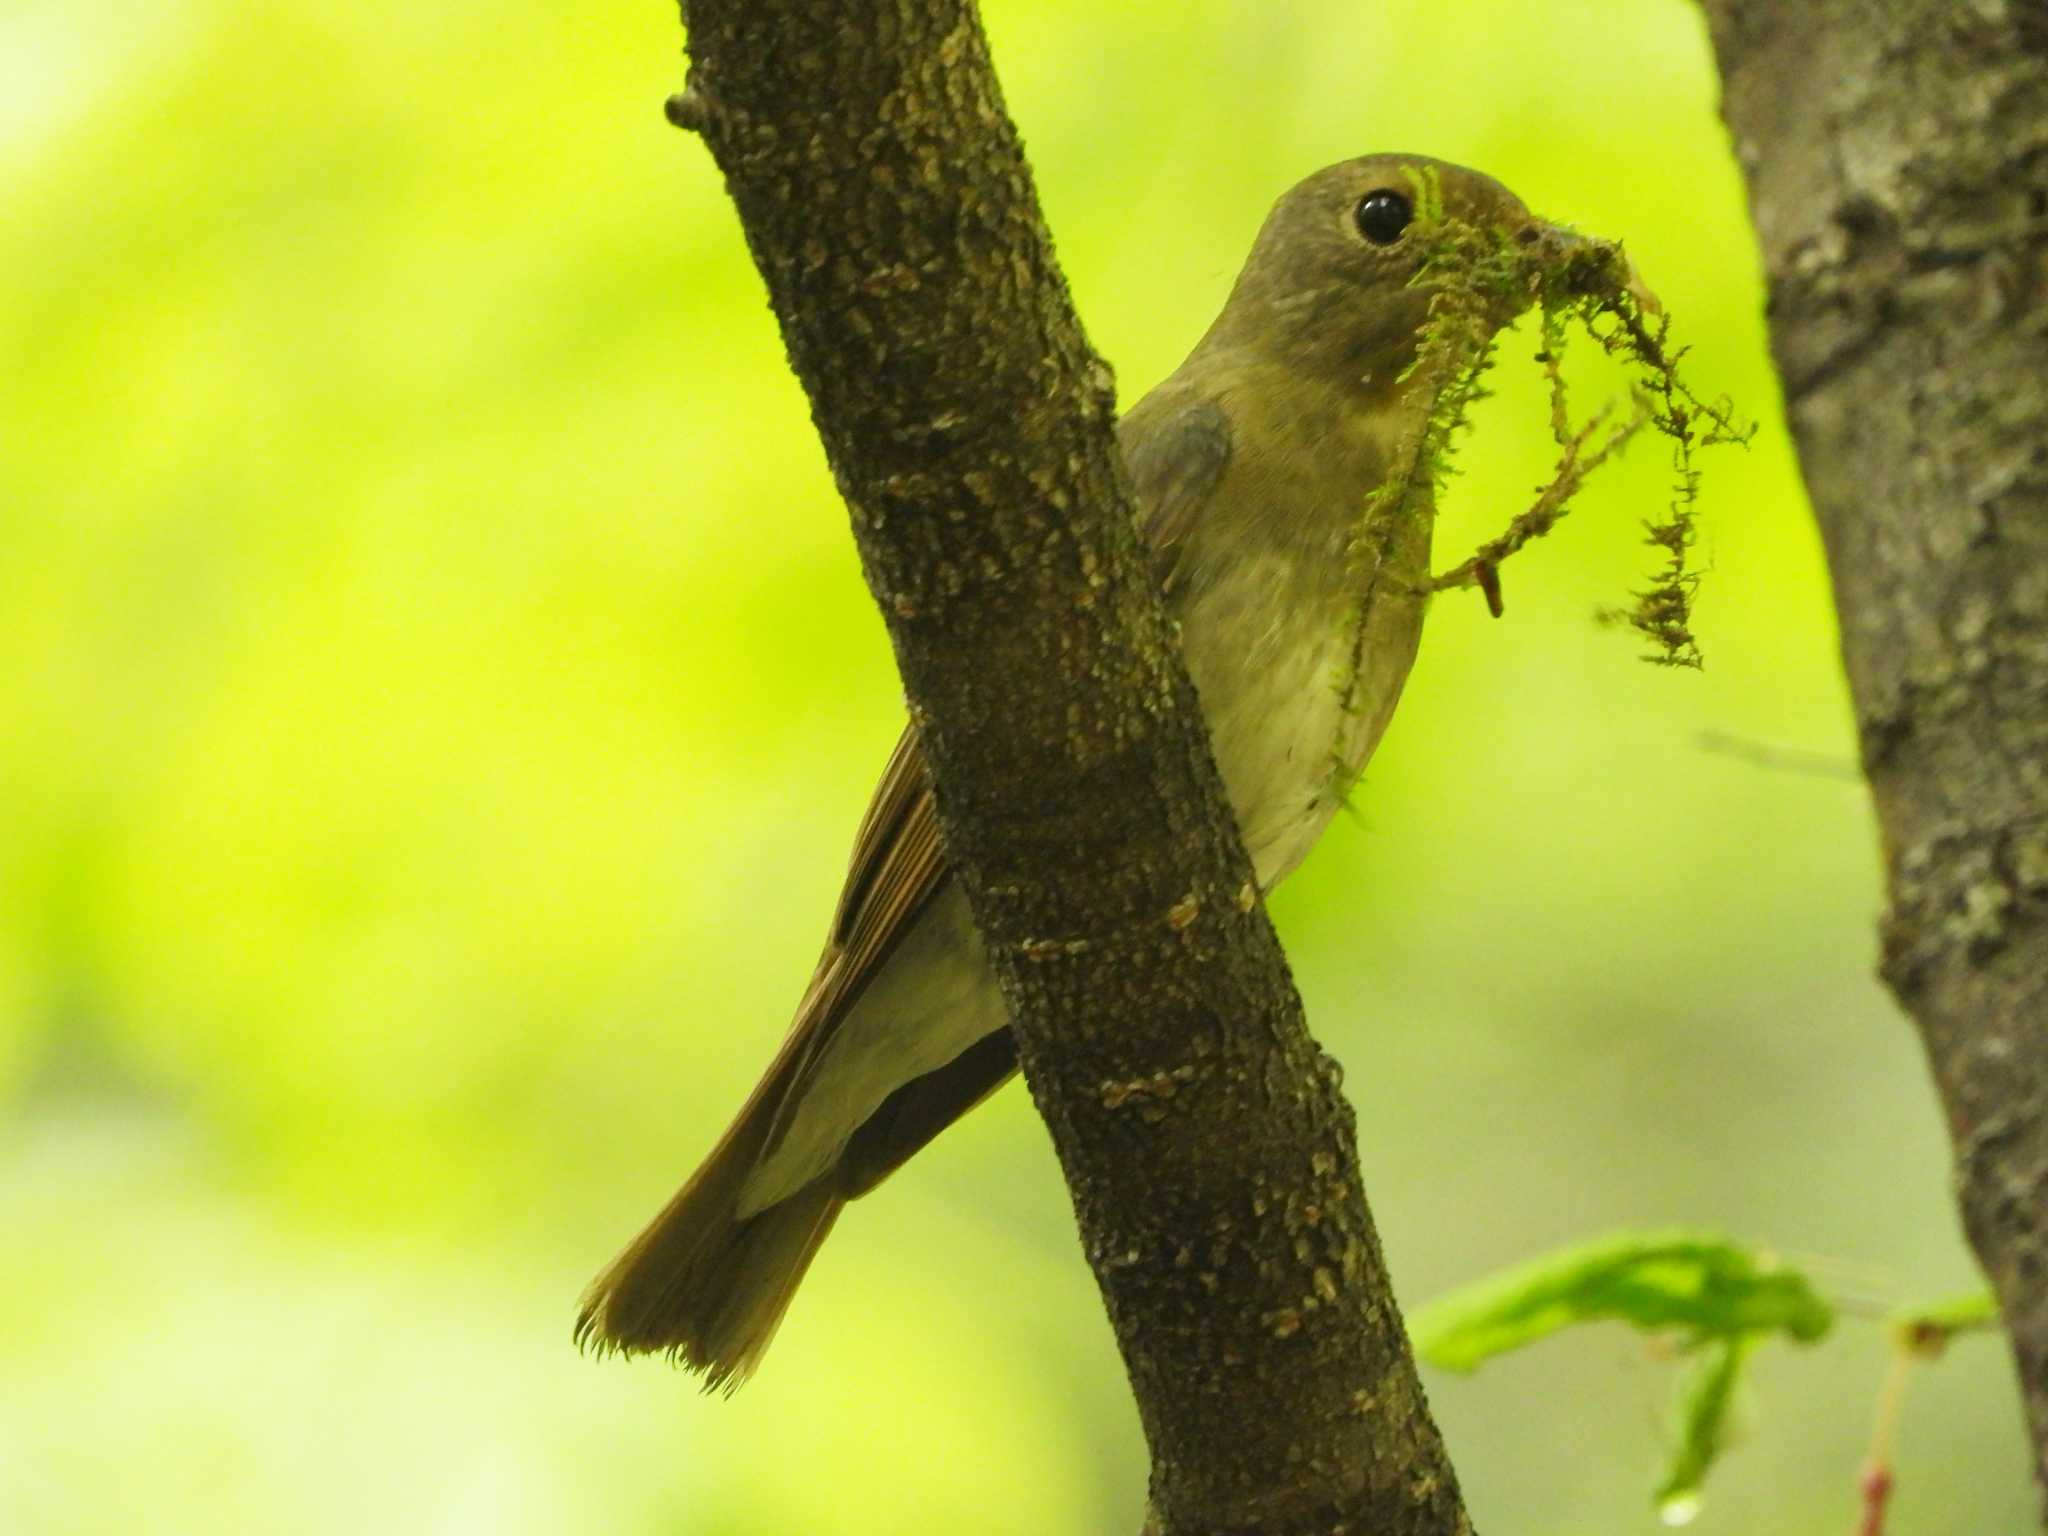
(898, 865)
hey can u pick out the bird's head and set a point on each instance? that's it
(1354, 261)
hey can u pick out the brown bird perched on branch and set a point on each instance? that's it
(1280, 485)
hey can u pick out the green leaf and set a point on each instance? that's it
(1696, 1282)
(1707, 1396)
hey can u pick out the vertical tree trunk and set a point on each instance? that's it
(1210, 1154)
(1897, 155)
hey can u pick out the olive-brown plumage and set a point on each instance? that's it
(1300, 598)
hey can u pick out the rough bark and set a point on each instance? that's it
(1210, 1153)
(1897, 154)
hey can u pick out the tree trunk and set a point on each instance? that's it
(1897, 155)
(1210, 1154)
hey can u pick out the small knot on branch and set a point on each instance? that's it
(686, 110)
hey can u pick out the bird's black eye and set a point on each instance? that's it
(1382, 215)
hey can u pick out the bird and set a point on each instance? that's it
(1261, 469)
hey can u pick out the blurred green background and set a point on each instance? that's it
(439, 692)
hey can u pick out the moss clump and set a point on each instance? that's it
(1483, 278)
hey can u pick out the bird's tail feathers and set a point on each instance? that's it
(703, 1283)
(703, 1286)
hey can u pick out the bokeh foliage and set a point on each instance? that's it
(438, 692)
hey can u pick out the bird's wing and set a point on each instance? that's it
(1176, 450)
(1176, 447)
(897, 867)
(896, 863)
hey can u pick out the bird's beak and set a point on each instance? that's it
(1595, 265)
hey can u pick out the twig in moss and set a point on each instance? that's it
(1482, 569)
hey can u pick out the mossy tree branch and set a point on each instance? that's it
(1210, 1154)
(1897, 156)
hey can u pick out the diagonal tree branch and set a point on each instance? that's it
(1897, 156)
(1210, 1153)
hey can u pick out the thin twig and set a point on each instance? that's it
(1874, 1482)
(1552, 502)
(1764, 754)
